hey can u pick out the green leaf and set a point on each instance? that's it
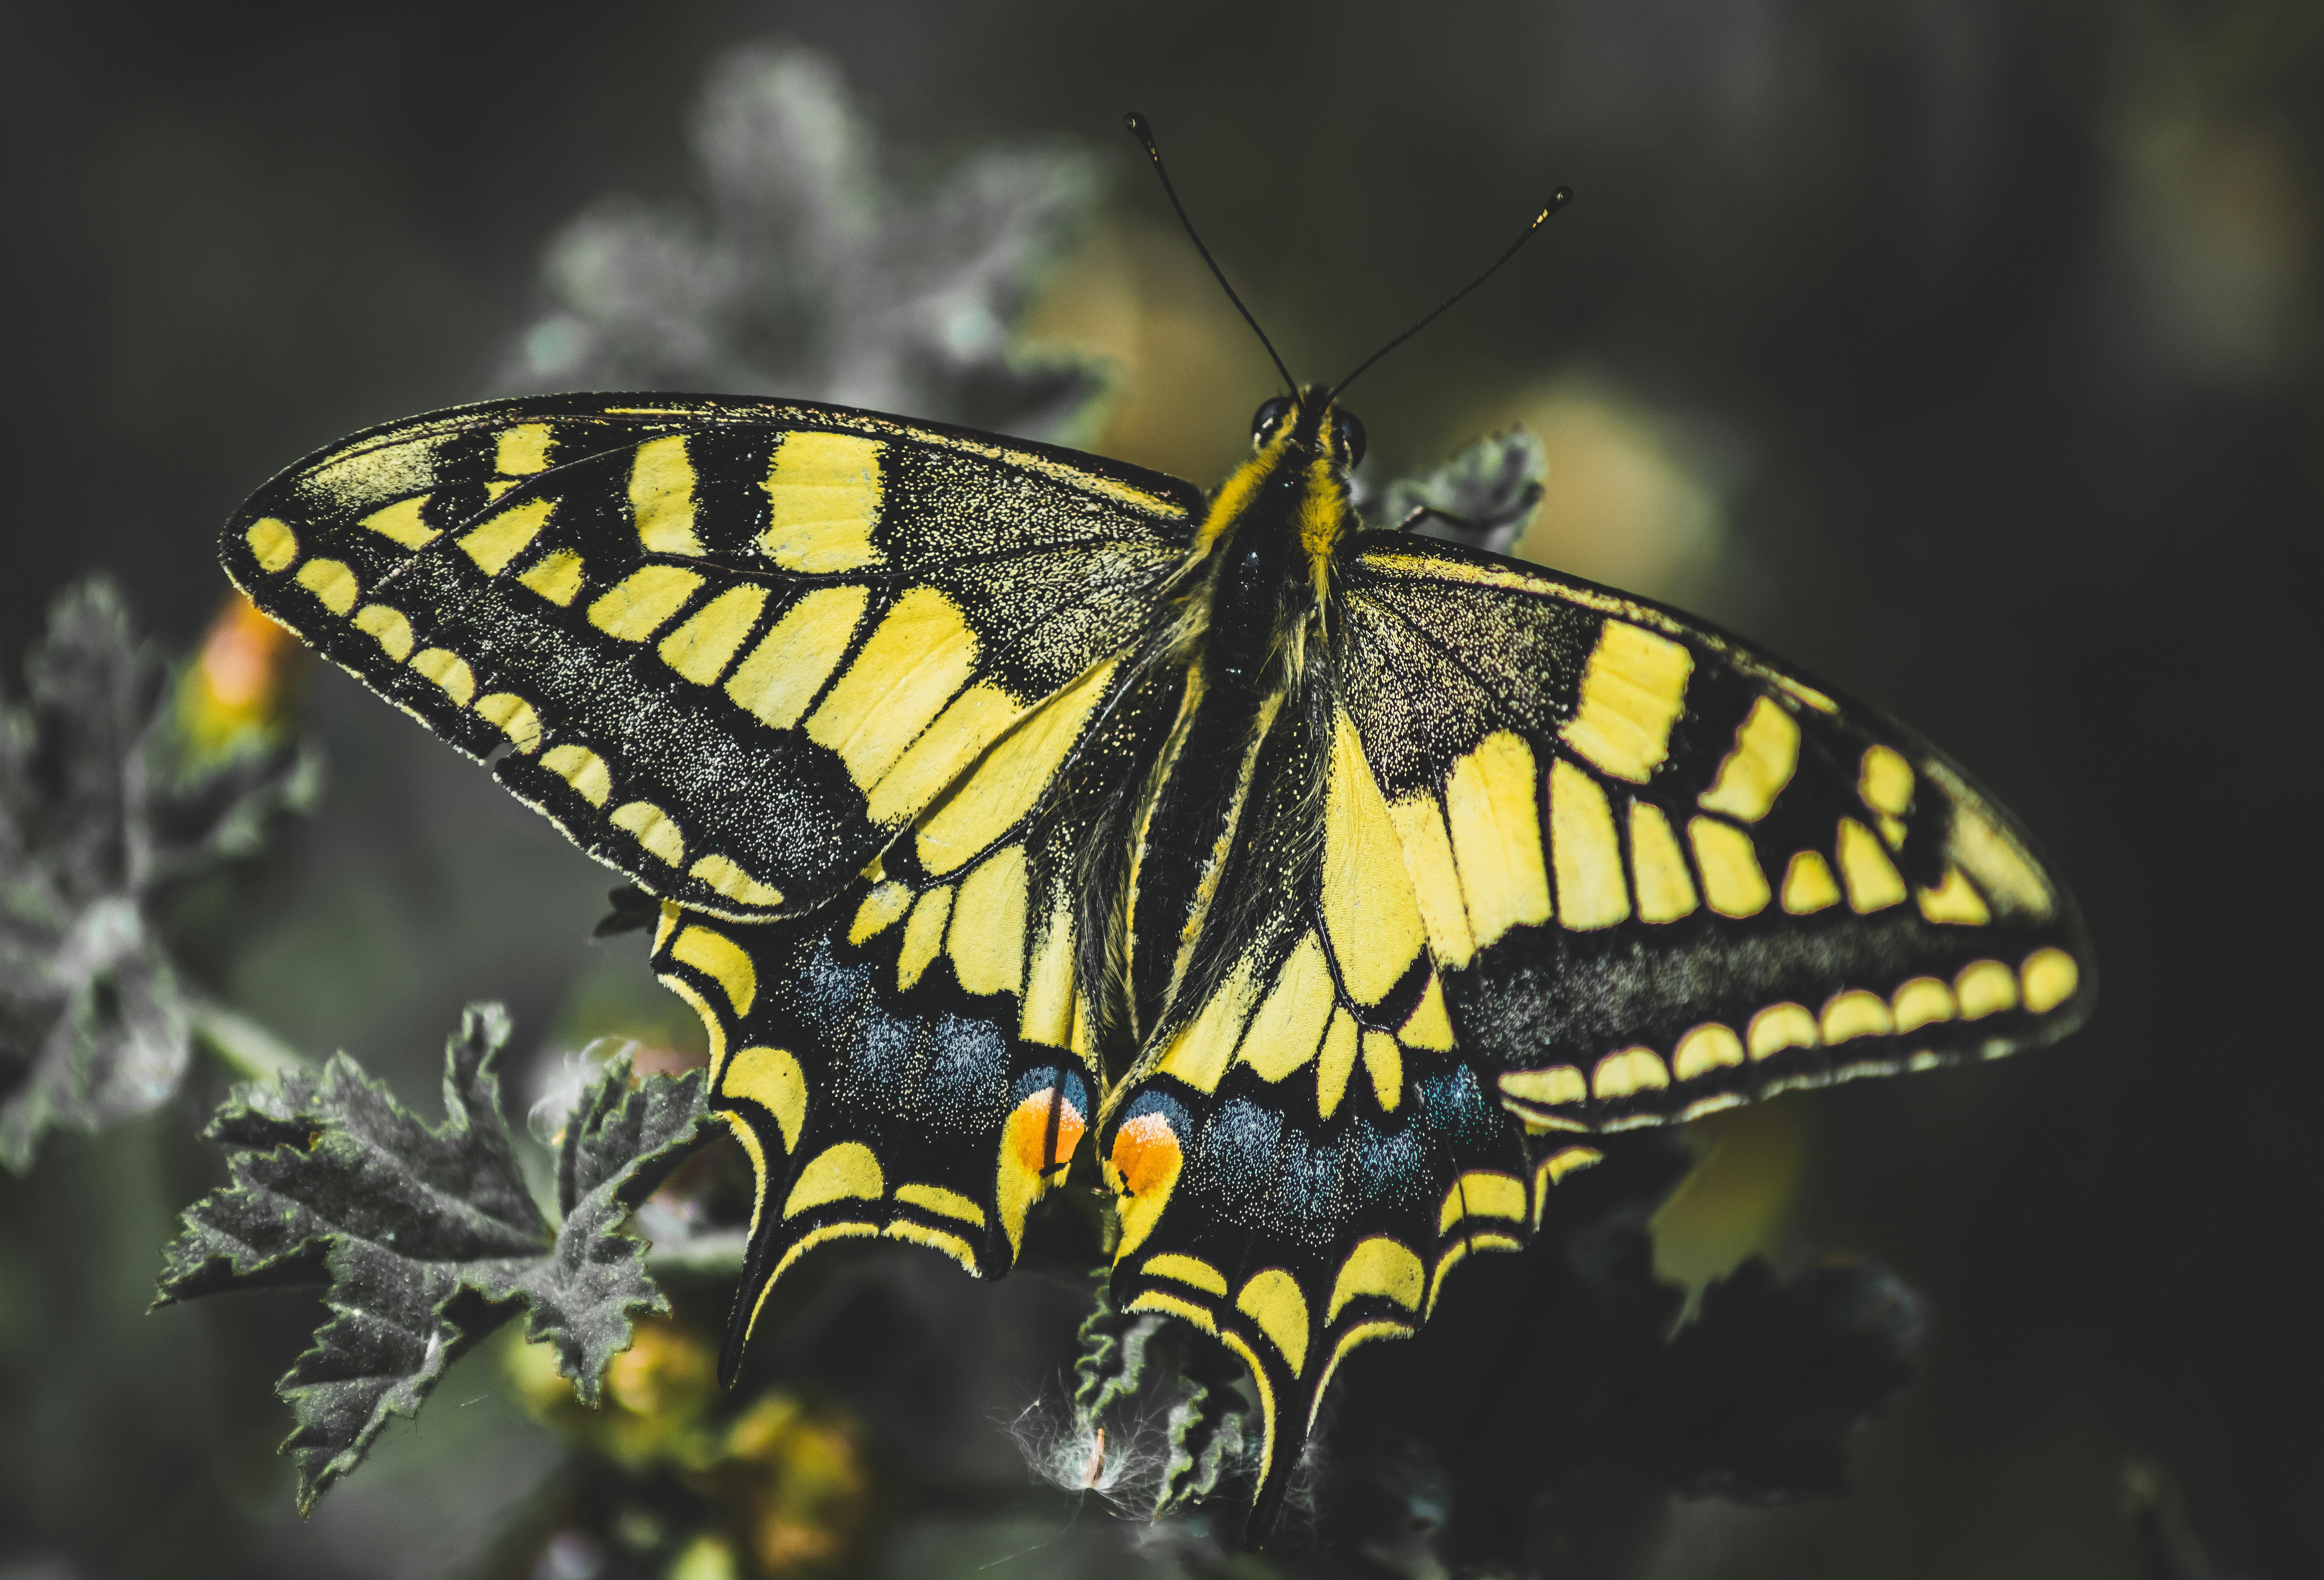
(99, 807)
(92, 1028)
(1483, 497)
(618, 1147)
(427, 1237)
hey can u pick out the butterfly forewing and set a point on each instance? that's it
(731, 648)
(1662, 875)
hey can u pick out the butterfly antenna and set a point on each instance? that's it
(1141, 130)
(1557, 200)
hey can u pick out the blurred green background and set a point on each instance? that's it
(1967, 354)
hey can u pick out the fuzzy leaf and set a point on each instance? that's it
(1112, 1363)
(100, 804)
(1483, 497)
(1208, 1434)
(618, 1148)
(426, 1236)
(1566, 1463)
(802, 275)
(1767, 1382)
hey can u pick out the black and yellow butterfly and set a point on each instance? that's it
(1335, 885)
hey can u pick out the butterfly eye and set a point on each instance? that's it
(1269, 417)
(1348, 437)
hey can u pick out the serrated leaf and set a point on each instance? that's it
(617, 1149)
(98, 808)
(426, 1236)
(91, 1027)
(1483, 497)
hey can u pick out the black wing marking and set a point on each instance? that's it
(731, 648)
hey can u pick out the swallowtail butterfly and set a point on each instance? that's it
(1335, 887)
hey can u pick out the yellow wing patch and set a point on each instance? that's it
(331, 582)
(644, 601)
(919, 655)
(1658, 867)
(402, 524)
(985, 805)
(556, 576)
(987, 936)
(1381, 1266)
(847, 1170)
(701, 649)
(662, 497)
(771, 1078)
(1286, 1030)
(272, 544)
(1633, 690)
(1751, 776)
(1584, 851)
(1273, 1301)
(505, 534)
(1371, 915)
(798, 652)
(824, 493)
(387, 627)
(1492, 805)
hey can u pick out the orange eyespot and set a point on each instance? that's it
(1142, 1165)
(1146, 1155)
(1029, 1131)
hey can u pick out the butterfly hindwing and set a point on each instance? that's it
(919, 1060)
(730, 647)
(1303, 1155)
(1663, 876)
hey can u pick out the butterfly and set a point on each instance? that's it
(1334, 888)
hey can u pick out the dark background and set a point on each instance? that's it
(1990, 329)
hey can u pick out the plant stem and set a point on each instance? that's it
(240, 1043)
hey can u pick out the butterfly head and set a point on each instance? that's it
(1293, 488)
(1309, 424)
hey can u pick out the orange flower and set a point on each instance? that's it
(240, 686)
